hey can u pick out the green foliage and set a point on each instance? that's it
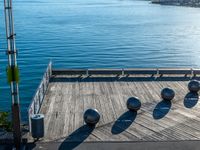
(4, 121)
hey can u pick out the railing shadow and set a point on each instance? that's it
(76, 138)
(161, 109)
(100, 79)
(117, 78)
(191, 100)
(123, 122)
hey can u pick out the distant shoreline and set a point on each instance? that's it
(188, 3)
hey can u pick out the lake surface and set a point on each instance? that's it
(97, 34)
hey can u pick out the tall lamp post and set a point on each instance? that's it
(13, 72)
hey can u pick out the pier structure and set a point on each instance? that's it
(65, 94)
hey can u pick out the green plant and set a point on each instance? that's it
(4, 121)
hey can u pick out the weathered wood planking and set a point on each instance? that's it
(69, 96)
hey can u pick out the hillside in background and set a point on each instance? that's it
(192, 3)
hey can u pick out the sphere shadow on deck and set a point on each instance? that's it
(76, 138)
(123, 122)
(161, 109)
(191, 99)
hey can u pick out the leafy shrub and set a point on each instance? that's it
(4, 121)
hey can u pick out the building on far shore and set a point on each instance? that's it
(191, 3)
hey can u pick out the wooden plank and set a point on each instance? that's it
(51, 114)
(67, 88)
(99, 103)
(58, 121)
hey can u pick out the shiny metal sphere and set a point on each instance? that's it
(167, 94)
(91, 116)
(194, 86)
(133, 104)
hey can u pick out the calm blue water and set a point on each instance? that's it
(97, 34)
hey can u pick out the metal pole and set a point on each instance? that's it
(13, 72)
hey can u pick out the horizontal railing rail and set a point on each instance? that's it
(156, 71)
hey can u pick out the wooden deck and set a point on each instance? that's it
(68, 96)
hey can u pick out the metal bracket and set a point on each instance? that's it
(11, 36)
(14, 93)
(8, 52)
(8, 7)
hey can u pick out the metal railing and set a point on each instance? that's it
(124, 72)
(37, 100)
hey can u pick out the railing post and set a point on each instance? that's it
(192, 73)
(157, 73)
(122, 71)
(34, 107)
(50, 68)
(29, 119)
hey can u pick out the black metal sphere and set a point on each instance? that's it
(194, 86)
(167, 94)
(91, 116)
(133, 104)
